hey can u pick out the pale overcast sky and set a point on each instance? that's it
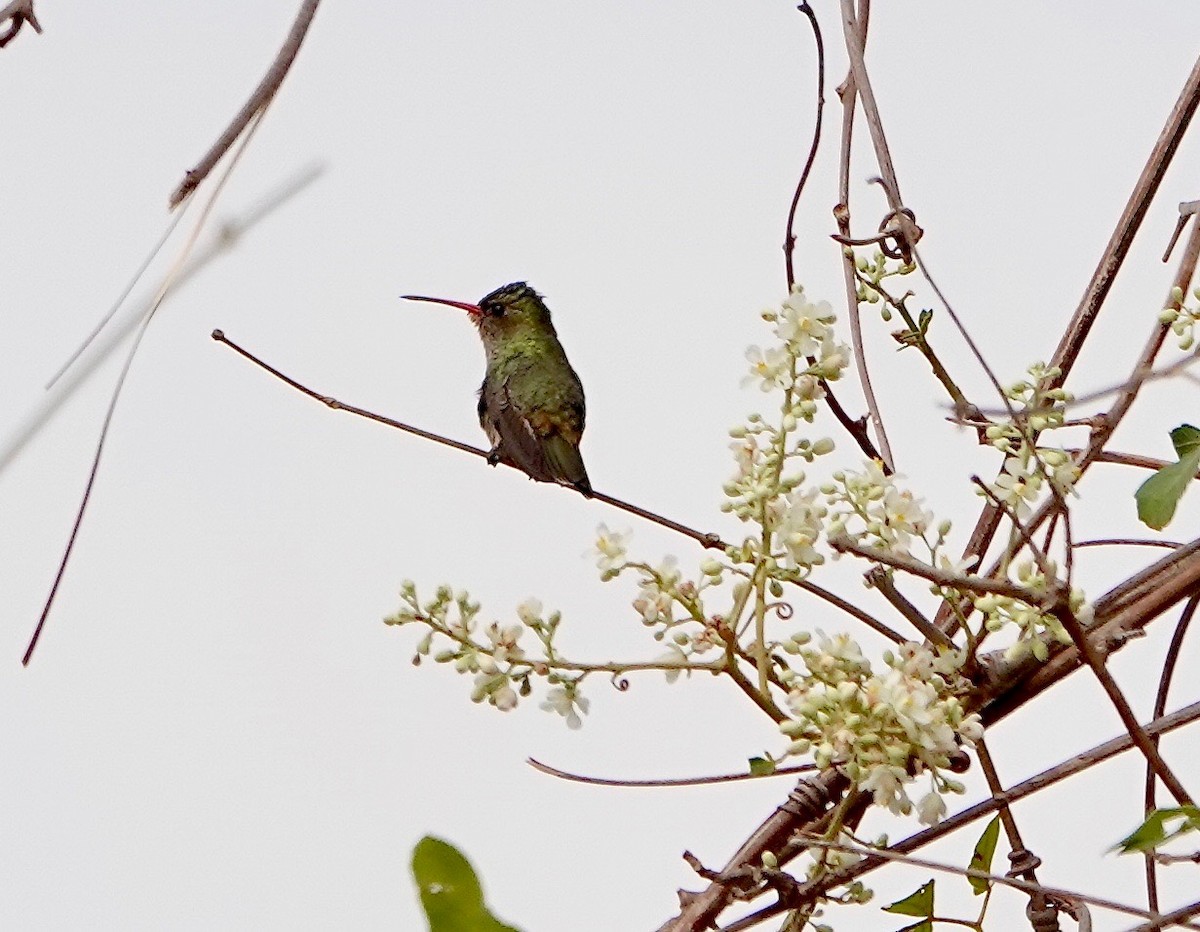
(218, 732)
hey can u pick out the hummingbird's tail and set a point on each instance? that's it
(566, 464)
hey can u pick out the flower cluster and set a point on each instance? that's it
(807, 353)
(870, 273)
(1036, 627)
(671, 606)
(881, 730)
(1182, 319)
(872, 508)
(1028, 465)
(494, 656)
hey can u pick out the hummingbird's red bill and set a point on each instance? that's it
(473, 309)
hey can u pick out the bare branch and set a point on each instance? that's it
(18, 13)
(984, 585)
(259, 99)
(683, 781)
(1127, 226)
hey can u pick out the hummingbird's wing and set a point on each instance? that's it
(536, 428)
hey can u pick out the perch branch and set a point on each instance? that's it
(705, 539)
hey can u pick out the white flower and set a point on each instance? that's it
(504, 640)
(833, 360)
(931, 809)
(886, 783)
(803, 325)
(1016, 486)
(747, 455)
(800, 527)
(610, 549)
(674, 657)
(530, 611)
(504, 698)
(565, 700)
(769, 368)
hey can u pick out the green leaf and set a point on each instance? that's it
(1156, 830)
(918, 903)
(761, 766)
(981, 857)
(450, 891)
(1158, 496)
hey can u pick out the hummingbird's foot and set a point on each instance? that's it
(493, 457)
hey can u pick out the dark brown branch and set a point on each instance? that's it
(984, 585)
(1127, 607)
(880, 580)
(853, 610)
(18, 13)
(708, 540)
(1127, 226)
(805, 804)
(259, 99)
(1121, 613)
(1035, 784)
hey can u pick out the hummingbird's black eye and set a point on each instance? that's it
(494, 310)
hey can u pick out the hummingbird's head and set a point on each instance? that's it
(509, 311)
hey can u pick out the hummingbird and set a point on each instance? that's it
(531, 402)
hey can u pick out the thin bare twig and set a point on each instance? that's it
(789, 239)
(75, 373)
(259, 99)
(1127, 542)
(163, 290)
(855, 428)
(1160, 705)
(854, 611)
(705, 539)
(1022, 859)
(683, 781)
(18, 13)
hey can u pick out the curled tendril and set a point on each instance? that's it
(783, 610)
(620, 683)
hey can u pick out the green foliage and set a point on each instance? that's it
(450, 891)
(1158, 496)
(981, 857)
(919, 903)
(762, 766)
(1160, 827)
